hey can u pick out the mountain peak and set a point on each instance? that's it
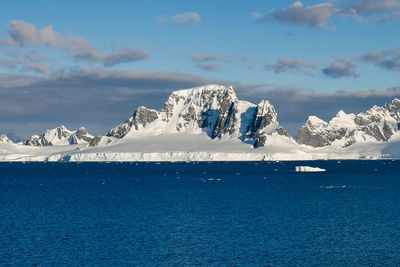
(211, 109)
(202, 88)
(4, 139)
(60, 136)
(377, 124)
(394, 108)
(314, 120)
(341, 113)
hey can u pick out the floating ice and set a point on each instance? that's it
(309, 169)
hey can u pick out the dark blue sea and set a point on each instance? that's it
(240, 214)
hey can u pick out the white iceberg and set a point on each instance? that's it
(309, 169)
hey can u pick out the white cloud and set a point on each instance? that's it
(182, 20)
(298, 15)
(25, 34)
(374, 6)
(375, 11)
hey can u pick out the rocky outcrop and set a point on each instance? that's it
(264, 124)
(378, 124)
(80, 135)
(140, 118)
(314, 133)
(100, 140)
(225, 115)
(394, 109)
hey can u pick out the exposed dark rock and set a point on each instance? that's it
(142, 116)
(95, 141)
(282, 131)
(263, 124)
(394, 109)
(225, 112)
(260, 141)
(190, 115)
(307, 137)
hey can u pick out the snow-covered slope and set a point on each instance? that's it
(379, 124)
(209, 123)
(212, 109)
(60, 136)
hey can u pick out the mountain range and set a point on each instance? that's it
(211, 123)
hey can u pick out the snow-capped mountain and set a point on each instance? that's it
(4, 139)
(209, 123)
(212, 109)
(60, 136)
(378, 124)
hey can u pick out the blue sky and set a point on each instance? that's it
(266, 49)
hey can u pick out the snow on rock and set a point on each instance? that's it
(101, 141)
(264, 124)
(60, 136)
(377, 124)
(211, 109)
(4, 139)
(140, 119)
(209, 123)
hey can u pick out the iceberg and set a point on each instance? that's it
(309, 169)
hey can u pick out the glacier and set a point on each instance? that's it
(209, 123)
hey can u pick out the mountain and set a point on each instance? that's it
(212, 109)
(4, 139)
(209, 123)
(377, 124)
(13, 137)
(60, 136)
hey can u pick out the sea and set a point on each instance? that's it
(200, 214)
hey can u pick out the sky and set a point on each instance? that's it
(92, 63)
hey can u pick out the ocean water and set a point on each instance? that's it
(214, 214)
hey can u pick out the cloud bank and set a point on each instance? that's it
(373, 11)
(24, 34)
(100, 99)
